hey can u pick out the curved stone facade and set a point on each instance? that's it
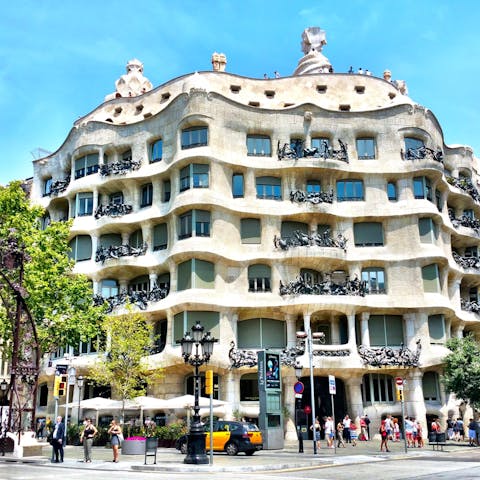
(182, 197)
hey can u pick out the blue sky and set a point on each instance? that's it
(59, 58)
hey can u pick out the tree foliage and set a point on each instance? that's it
(59, 301)
(462, 369)
(123, 364)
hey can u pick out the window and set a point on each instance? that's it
(249, 387)
(194, 137)
(250, 230)
(392, 191)
(289, 228)
(422, 188)
(269, 188)
(109, 288)
(84, 204)
(322, 145)
(139, 284)
(413, 143)
(427, 230)
(259, 145)
(147, 195)
(160, 237)
(194, 176)
(116, 198)
(431, 278)
(366, 148)
(47, 186)
(473, 294)
(385, 330)
(436, 329)
(195, 273)
(368, 234)
(471, 252)
(375, 278)
(184, 321)
(311, 277)
(377, 387)
(314, 186)
(86, 165)
(259, 278)
(238, 186)
(81, 248)
(430, 383)
(110, 239)
(350, 190)
(43, 395)
(136, 239)
(156, 151)
(469, 213)
(127, 156)
(166, 191)
(160, 336)
(194, 221)
(261, 333)
(296, 144)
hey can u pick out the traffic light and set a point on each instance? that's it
(209, 382)
(399, 395)
(62, 385)
(56, 386)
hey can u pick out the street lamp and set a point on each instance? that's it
(3, 422)
(307, 337)
(203, 342)
(80, 386)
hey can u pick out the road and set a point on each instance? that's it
(452, 466)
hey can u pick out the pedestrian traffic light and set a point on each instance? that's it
(56, 386)
(209, 382)
(62, 385)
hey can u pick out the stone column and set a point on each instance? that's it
(289, 399)
(351, 330)
(230, 382)
(365, 332)
(410, 330)
(152, 279)
(354, 397)
(458, 331)
(414, 401)
(147, 234)
(335, 330)
(291, 330)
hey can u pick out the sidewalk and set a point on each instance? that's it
(169, 459)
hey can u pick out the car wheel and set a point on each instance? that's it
(249, 452)
(183, 448)
(231, 449)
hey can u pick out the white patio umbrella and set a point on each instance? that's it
(184, 404)
(98, 404)
(146, 403)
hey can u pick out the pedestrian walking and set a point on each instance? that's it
(87, 436)
(340, 441)
(58, 438)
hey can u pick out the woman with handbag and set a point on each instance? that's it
(86, 438)
(116, 434)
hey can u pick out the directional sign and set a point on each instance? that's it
(332, 387)
(299, 387)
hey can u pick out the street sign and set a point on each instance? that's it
(398, 381)
(299, 387)
(332, 387)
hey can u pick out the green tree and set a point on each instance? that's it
(59, 301)
(123, 364)
(462, 369)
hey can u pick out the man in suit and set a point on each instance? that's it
(58, 440)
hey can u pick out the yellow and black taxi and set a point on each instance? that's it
(231, 437)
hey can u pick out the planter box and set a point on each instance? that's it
(133, 447)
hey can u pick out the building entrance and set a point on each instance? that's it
(323, 403)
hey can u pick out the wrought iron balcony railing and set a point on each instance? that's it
(470, 305)
(467, 262)
(117, 251)
(119, 168)
(422, 152)
(140, 299)
(59, 186)
(464, 221)
(312, 197)
(466, 185)
(301, 286)
(298, 150)
(300, 239)
(113, 210)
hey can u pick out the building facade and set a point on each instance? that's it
(264, 208)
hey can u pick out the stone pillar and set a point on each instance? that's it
(291, 330)
(335, 330)
(414, 401)
(125, 238)
(458, 331)
(95, 242)
(289, 403)
(365, 332)
(410, 330)
(229, 388)
(351, 330)
(152, 279)
(147, 234)
(354, 397)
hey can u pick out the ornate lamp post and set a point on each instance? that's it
(4, 386)
(203, 343)
(80, 387)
